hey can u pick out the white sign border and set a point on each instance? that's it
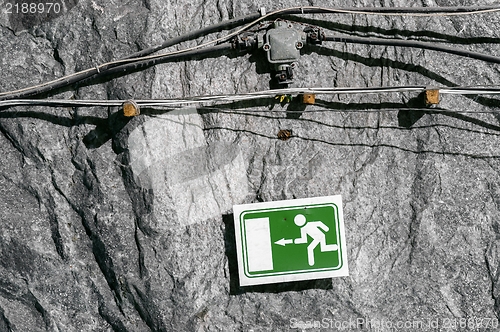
(246, 281)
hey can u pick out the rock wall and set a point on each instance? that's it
(114, 224)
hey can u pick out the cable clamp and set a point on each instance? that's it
(262, 11)
(131, 108)
(97, 68)
(431, 96)
(302, 10)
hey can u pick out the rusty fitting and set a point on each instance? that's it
(284, 134)
(309, 98)
(130, 108)
(431, 97)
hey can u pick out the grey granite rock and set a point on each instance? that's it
(114, 224)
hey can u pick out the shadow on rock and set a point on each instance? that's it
(105, 130)
(234, 281)
(374, 31)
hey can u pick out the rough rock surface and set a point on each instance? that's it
(110, 224)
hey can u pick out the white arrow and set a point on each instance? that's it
(283, 242)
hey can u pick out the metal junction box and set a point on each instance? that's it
(283, 44)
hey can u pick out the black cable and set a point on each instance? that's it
(119, 69)
(33, 91)
(226, 25)
(239, 21)
(415, 44)
(92, 72)
(390, 10)
(143, 64)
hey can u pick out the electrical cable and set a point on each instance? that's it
(470, 90)
(394, 11)
(85, 76)
(415, 44)
(248, 96)
(90, 72)
(257, 17)
(143, 64)
(225, 25)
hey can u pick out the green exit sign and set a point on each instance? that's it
(291, 240)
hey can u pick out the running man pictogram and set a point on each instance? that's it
(316, 230)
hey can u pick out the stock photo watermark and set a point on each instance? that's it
(362, 323)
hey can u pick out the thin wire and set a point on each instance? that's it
(250, 96)
(244, 28)
(208, 98)
(471, 91)
(316, 110)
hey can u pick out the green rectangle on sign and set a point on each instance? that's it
(290, 240)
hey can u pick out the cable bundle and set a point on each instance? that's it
(144, 59)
